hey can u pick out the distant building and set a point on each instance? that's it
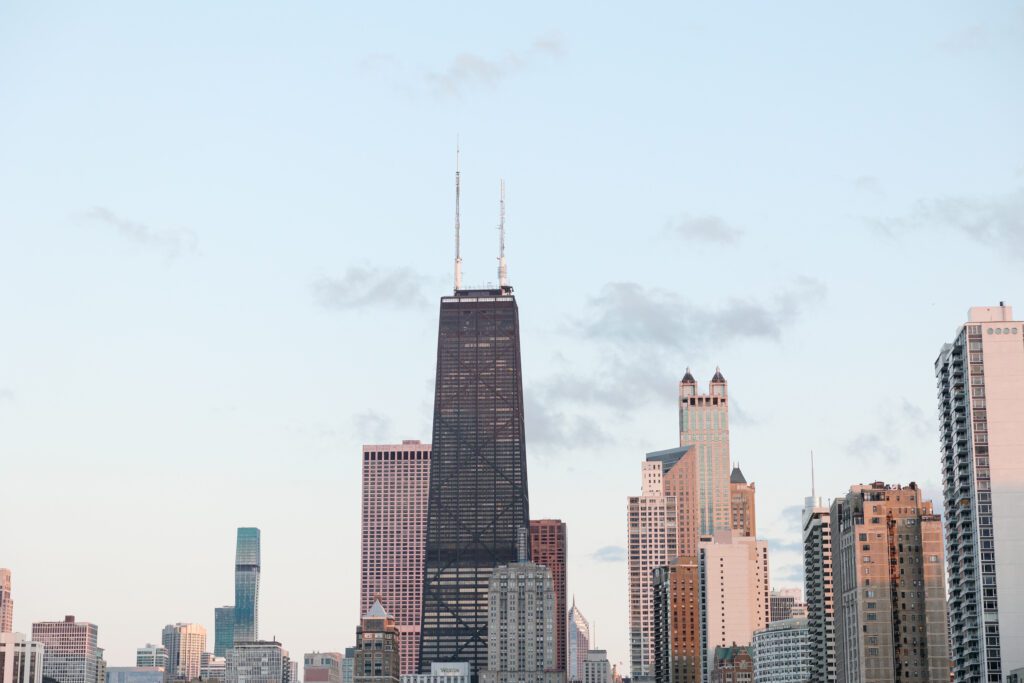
(577, 643)
(151, 657)
(442, 672)
(782, 652)
(817, 535)
(732, 665)
(521, 624)
(322, 667)
(212, 667)
(185, 645)
(395, 492)
(704, 425)
(6, 602)
(1015, 676)
(289, 668)
(677, 622)
(549, 547)
(890, 598)
(260, 661)
(21, 659)
(70, 653)
(246, 617)
(223, 629)
(734, 591)
(377, 657)
(348, 666)
(596, 668)
(741, 498)
(786, 603)
(134, 674)
(980, 379)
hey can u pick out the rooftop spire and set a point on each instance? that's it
(458, 252)
(812, 473)
(502, 266)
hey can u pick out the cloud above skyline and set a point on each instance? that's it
(609, 553)
(371, 287)
(469, 70)
(171, 242)
(995, 221)
(710, 229)
(896, 423)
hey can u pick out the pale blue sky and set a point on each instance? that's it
(224, 228)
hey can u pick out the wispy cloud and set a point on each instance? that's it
(785, 545)
(171, 242)
(372, 427)
(550, 426)
(996, 221)
(6, 395)
(468, 70)
(711, 229)
(895, 422)
(363, 287)
(869, 184)
(790, 572)
(629, 315)
(609, 553)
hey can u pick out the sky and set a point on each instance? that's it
(225, 228)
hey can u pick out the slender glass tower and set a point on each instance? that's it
(478, 502)
(247, 585)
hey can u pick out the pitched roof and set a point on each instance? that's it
(377, 611)
(737, 476)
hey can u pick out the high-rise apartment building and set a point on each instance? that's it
(134, 674)
(223, 629)
(741, 500)
(185, 645)
(817, 535)
(733, 591)
(704, 425)
(259, 661)
(782, 652)
(980, 379)
(322, 667)
(70, 652)
(6, 602)
(151, 657)
(396, 486)
(21, 659)
(578, 642)
(247, 586)
(478, 486)
(521, 639)
(348, 666)
(676, 608)
(785, 603)
(890, 598)
(377, 658)
(596, 668)
(652, 542)
(549, 547)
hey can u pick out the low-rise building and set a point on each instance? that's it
(782, 652)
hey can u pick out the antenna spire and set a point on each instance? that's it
(502, 266)
(458, 251)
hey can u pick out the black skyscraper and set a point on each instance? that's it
(478, 496)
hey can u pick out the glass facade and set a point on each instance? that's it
(247, 586)
(478, 494)
(224, 629)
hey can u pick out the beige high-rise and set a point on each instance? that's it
(185, 644)
(741, 499)
(704, 426)
(980, 377)
(6, 602)
(890, 598)
(734, 591)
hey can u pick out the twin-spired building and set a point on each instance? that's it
(980, 377)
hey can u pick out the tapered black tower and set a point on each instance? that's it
(478, 495)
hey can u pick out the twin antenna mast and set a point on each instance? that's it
(502, 264)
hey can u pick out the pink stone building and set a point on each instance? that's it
(6, 602)
(396, 484)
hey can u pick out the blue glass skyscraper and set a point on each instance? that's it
(247, 585)
(224, 629)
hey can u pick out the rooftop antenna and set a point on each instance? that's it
(458, 252)
(812, 473)
(502, 266)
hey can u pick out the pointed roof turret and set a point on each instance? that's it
(377, 611)
(718, 375)
(688, 377)
(737, 476)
